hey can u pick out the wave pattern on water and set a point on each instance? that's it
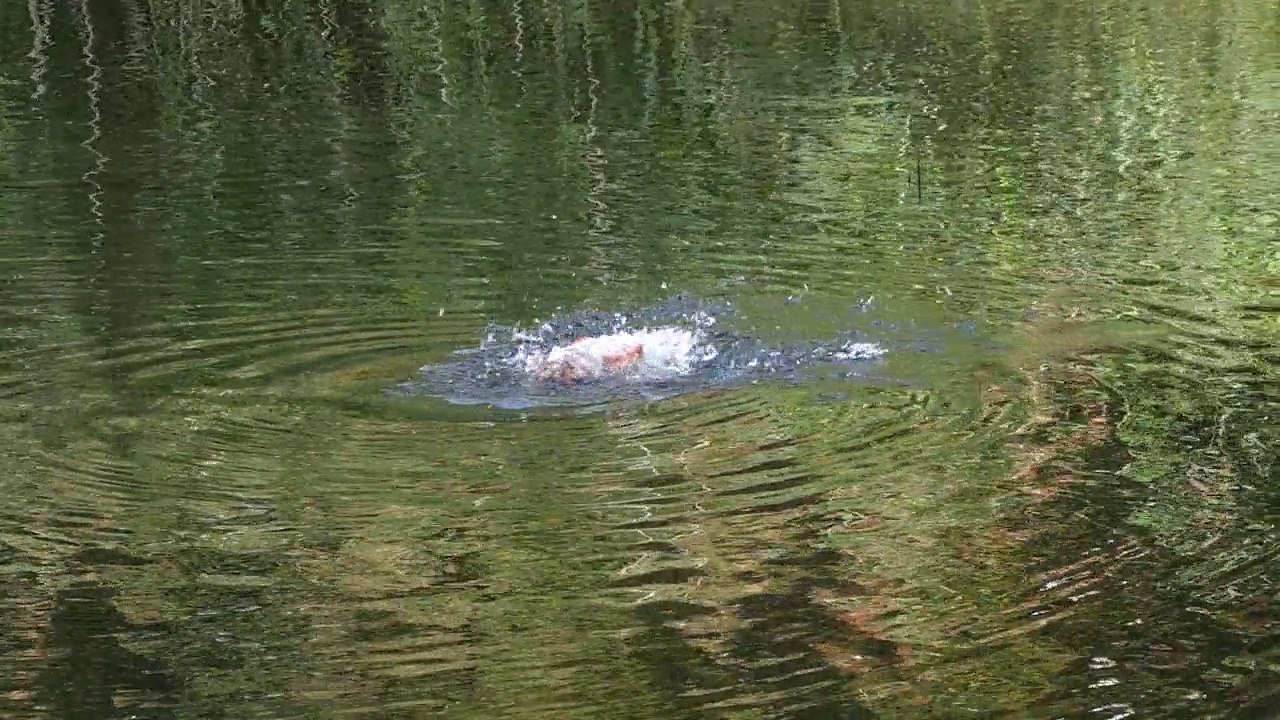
(225, 233)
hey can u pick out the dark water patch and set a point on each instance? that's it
(669, 576)
(786, 483)
(769, 508)
(656, 522)
(653, 613)
(107, 556)
(761, 467)
(663, 481)
(1182, 635)
(669, 500)
(768, 642)
(1260, 307)
(92, 672)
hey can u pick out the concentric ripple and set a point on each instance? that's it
(227, 229)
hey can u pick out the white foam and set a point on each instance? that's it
(859, 351)
(666, 351)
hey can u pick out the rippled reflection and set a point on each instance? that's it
(226, 230)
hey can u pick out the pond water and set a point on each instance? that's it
(229, 231)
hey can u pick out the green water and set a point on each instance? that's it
(225, 228)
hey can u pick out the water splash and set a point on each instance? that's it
(686, 348)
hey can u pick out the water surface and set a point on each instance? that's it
(226, 231)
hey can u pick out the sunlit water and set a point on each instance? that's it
(272, 274)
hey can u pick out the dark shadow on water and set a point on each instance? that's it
(1158, 629)
(769, 661)
(90, 669)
